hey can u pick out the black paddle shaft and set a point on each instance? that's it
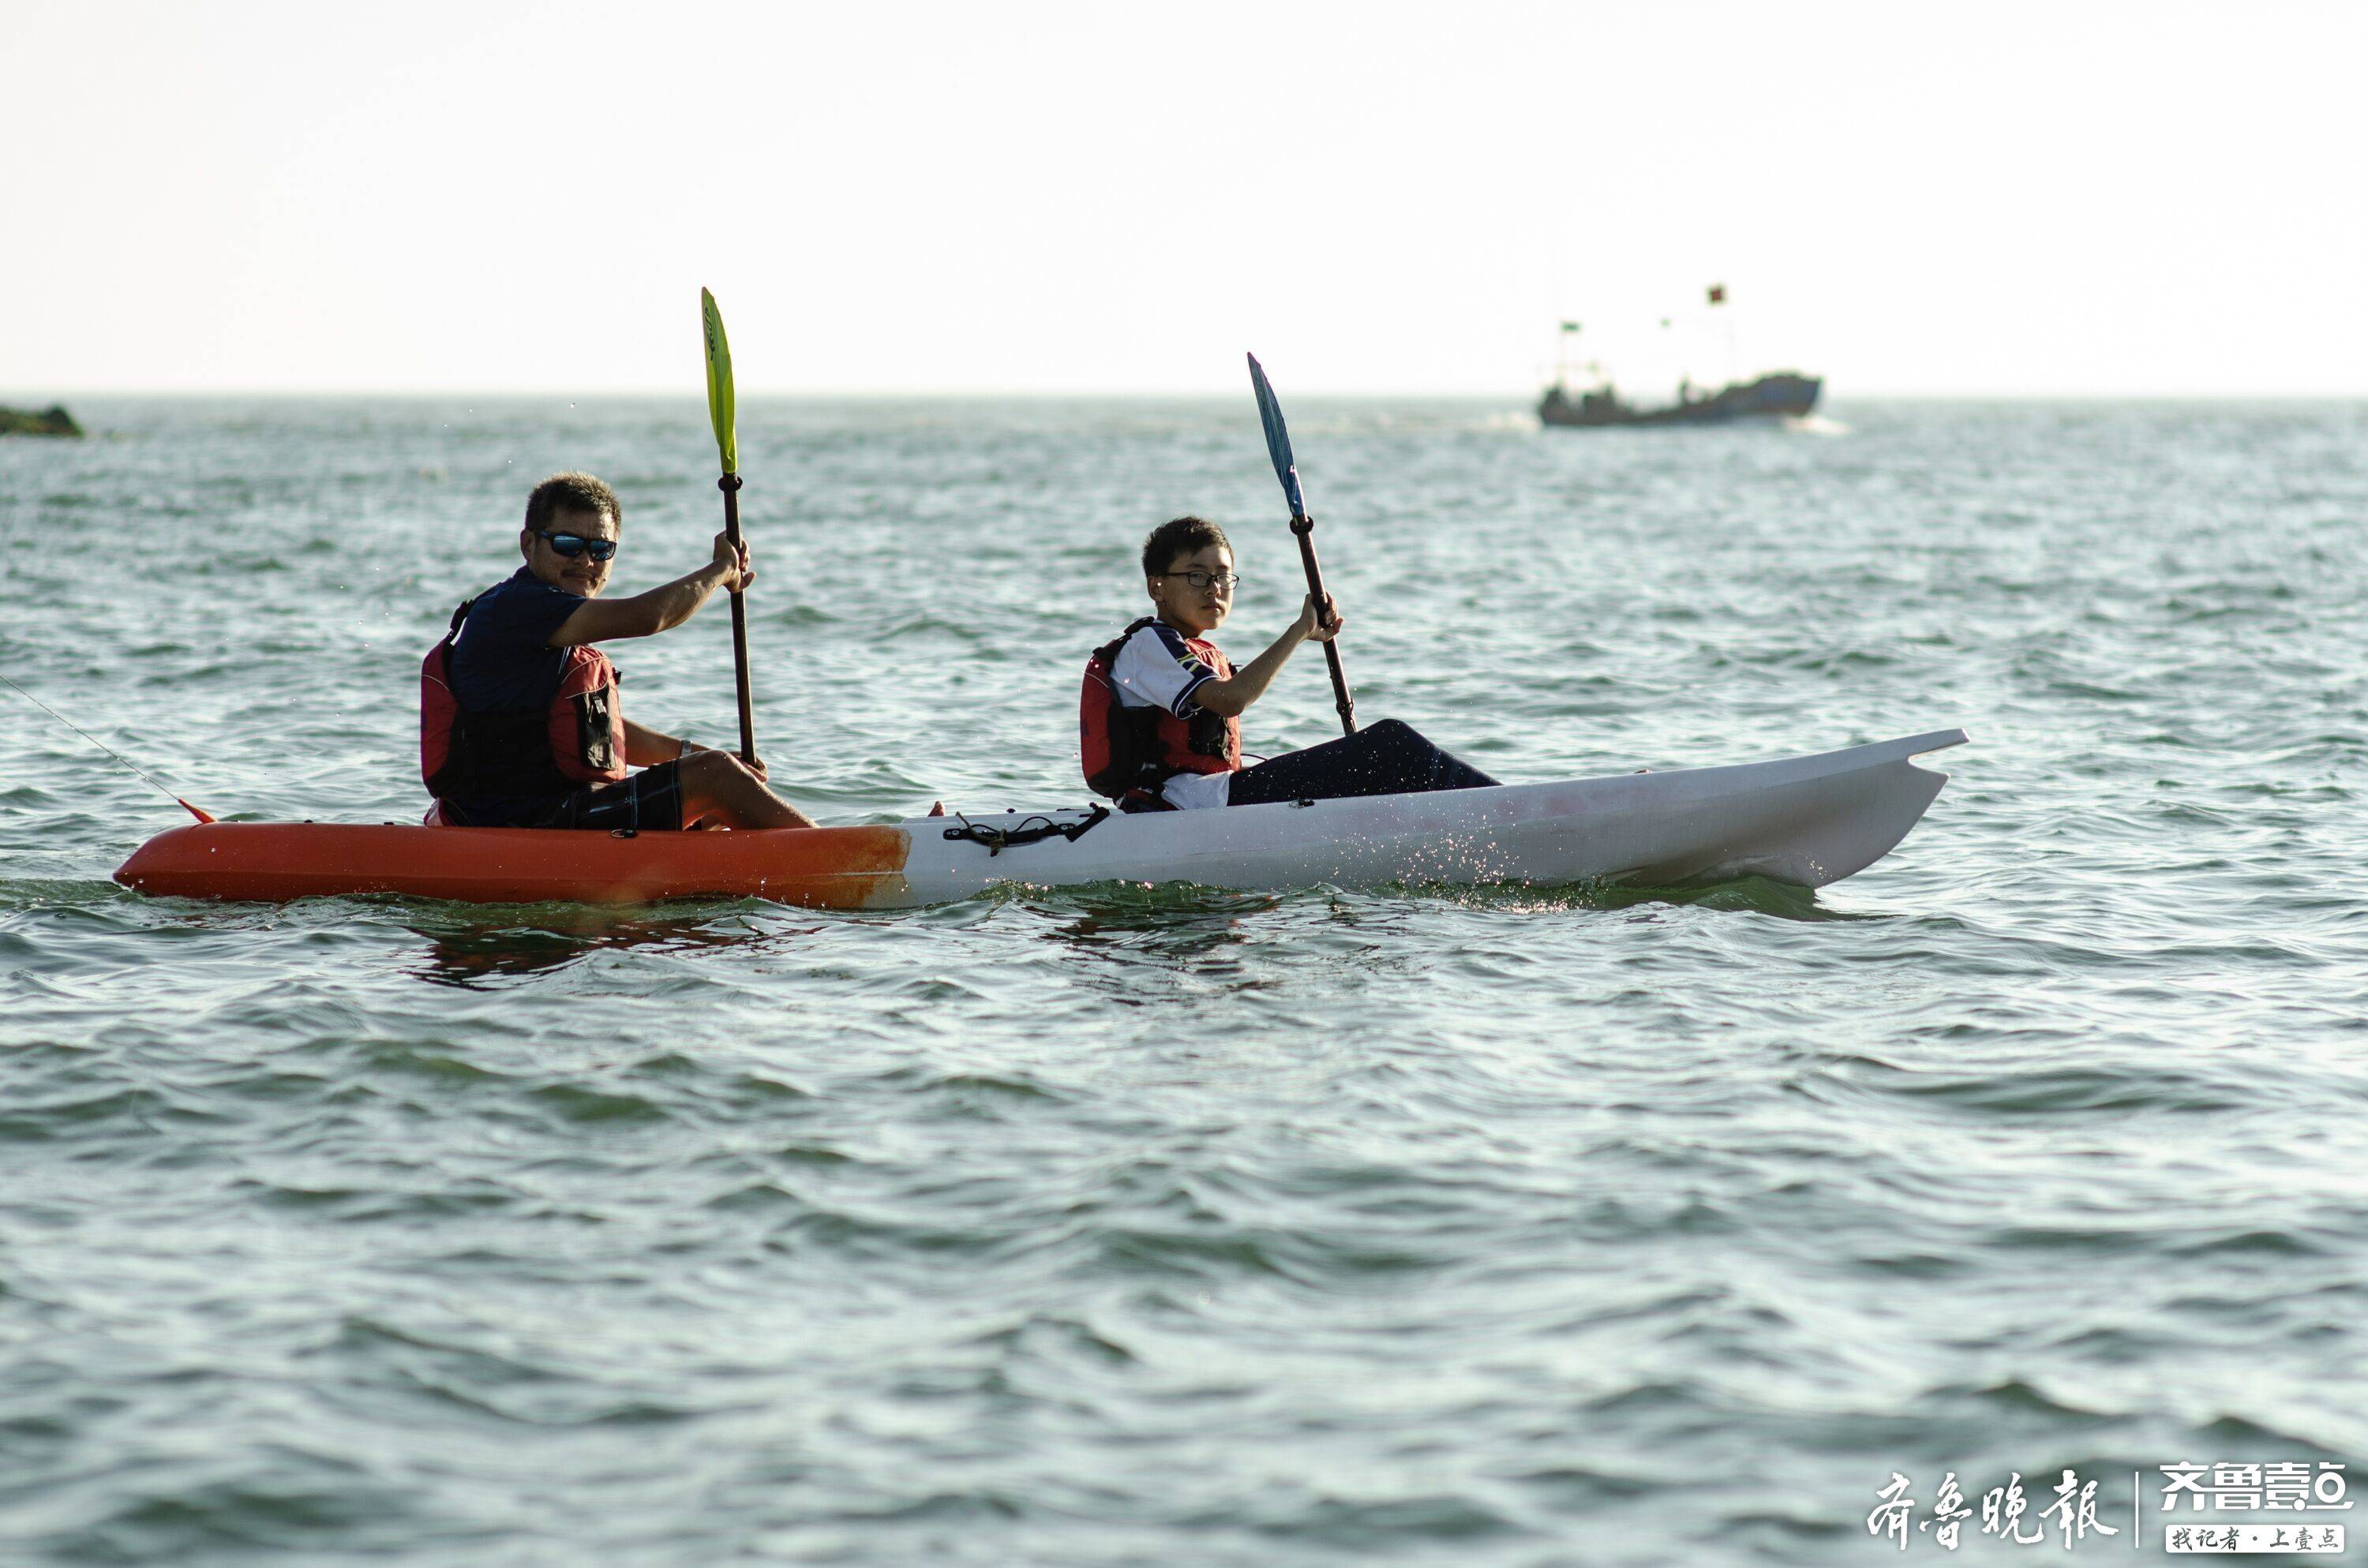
(730, 485)
(1304, 528)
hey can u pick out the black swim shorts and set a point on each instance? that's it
(649, 801)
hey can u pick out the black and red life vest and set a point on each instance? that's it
(578, 740)
(1129, 752)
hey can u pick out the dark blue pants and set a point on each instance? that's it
(1388, 758)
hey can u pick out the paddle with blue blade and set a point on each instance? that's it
(1278, 447)
(723, 414)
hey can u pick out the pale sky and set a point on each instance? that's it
(2001, 199)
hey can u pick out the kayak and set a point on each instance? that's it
(1804, 820)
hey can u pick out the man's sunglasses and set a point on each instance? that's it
(568, 547)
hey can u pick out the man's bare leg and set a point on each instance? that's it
(718, 790)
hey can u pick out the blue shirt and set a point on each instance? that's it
(502, 662)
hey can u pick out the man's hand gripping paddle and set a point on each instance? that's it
(1278, 447)
(720, 410)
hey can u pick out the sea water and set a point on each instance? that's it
(1146, 1225)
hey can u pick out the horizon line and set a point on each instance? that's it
(21, 399)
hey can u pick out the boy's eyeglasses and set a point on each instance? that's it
(1224, 581)
(568, 547)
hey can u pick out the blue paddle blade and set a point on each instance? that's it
(1277, 439)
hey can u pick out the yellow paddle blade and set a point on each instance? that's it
(720, 406)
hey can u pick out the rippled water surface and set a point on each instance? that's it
(1149, 1225)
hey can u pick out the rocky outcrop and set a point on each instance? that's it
(51, 421)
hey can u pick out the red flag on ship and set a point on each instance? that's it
(1718, 293)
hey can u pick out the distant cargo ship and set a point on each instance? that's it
(1772, 396)
(1776, 395)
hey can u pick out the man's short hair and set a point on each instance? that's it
(1180, 535)
(571, 492)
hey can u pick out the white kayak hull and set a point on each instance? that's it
(1806, 821)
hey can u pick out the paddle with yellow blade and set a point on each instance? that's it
(719, 410)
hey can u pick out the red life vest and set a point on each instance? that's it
(1128, 753)
(578, 740)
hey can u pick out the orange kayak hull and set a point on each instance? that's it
(825, 867)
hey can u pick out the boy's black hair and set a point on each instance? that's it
(571, 492)
(1179, 535)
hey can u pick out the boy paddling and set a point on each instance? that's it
(1162, 705)
(520, 725)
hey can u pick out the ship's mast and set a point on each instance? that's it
(1717, 293)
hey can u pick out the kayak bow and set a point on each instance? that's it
(1804, 820)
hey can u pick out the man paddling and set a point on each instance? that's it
(1161, 708)
(521, 723)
